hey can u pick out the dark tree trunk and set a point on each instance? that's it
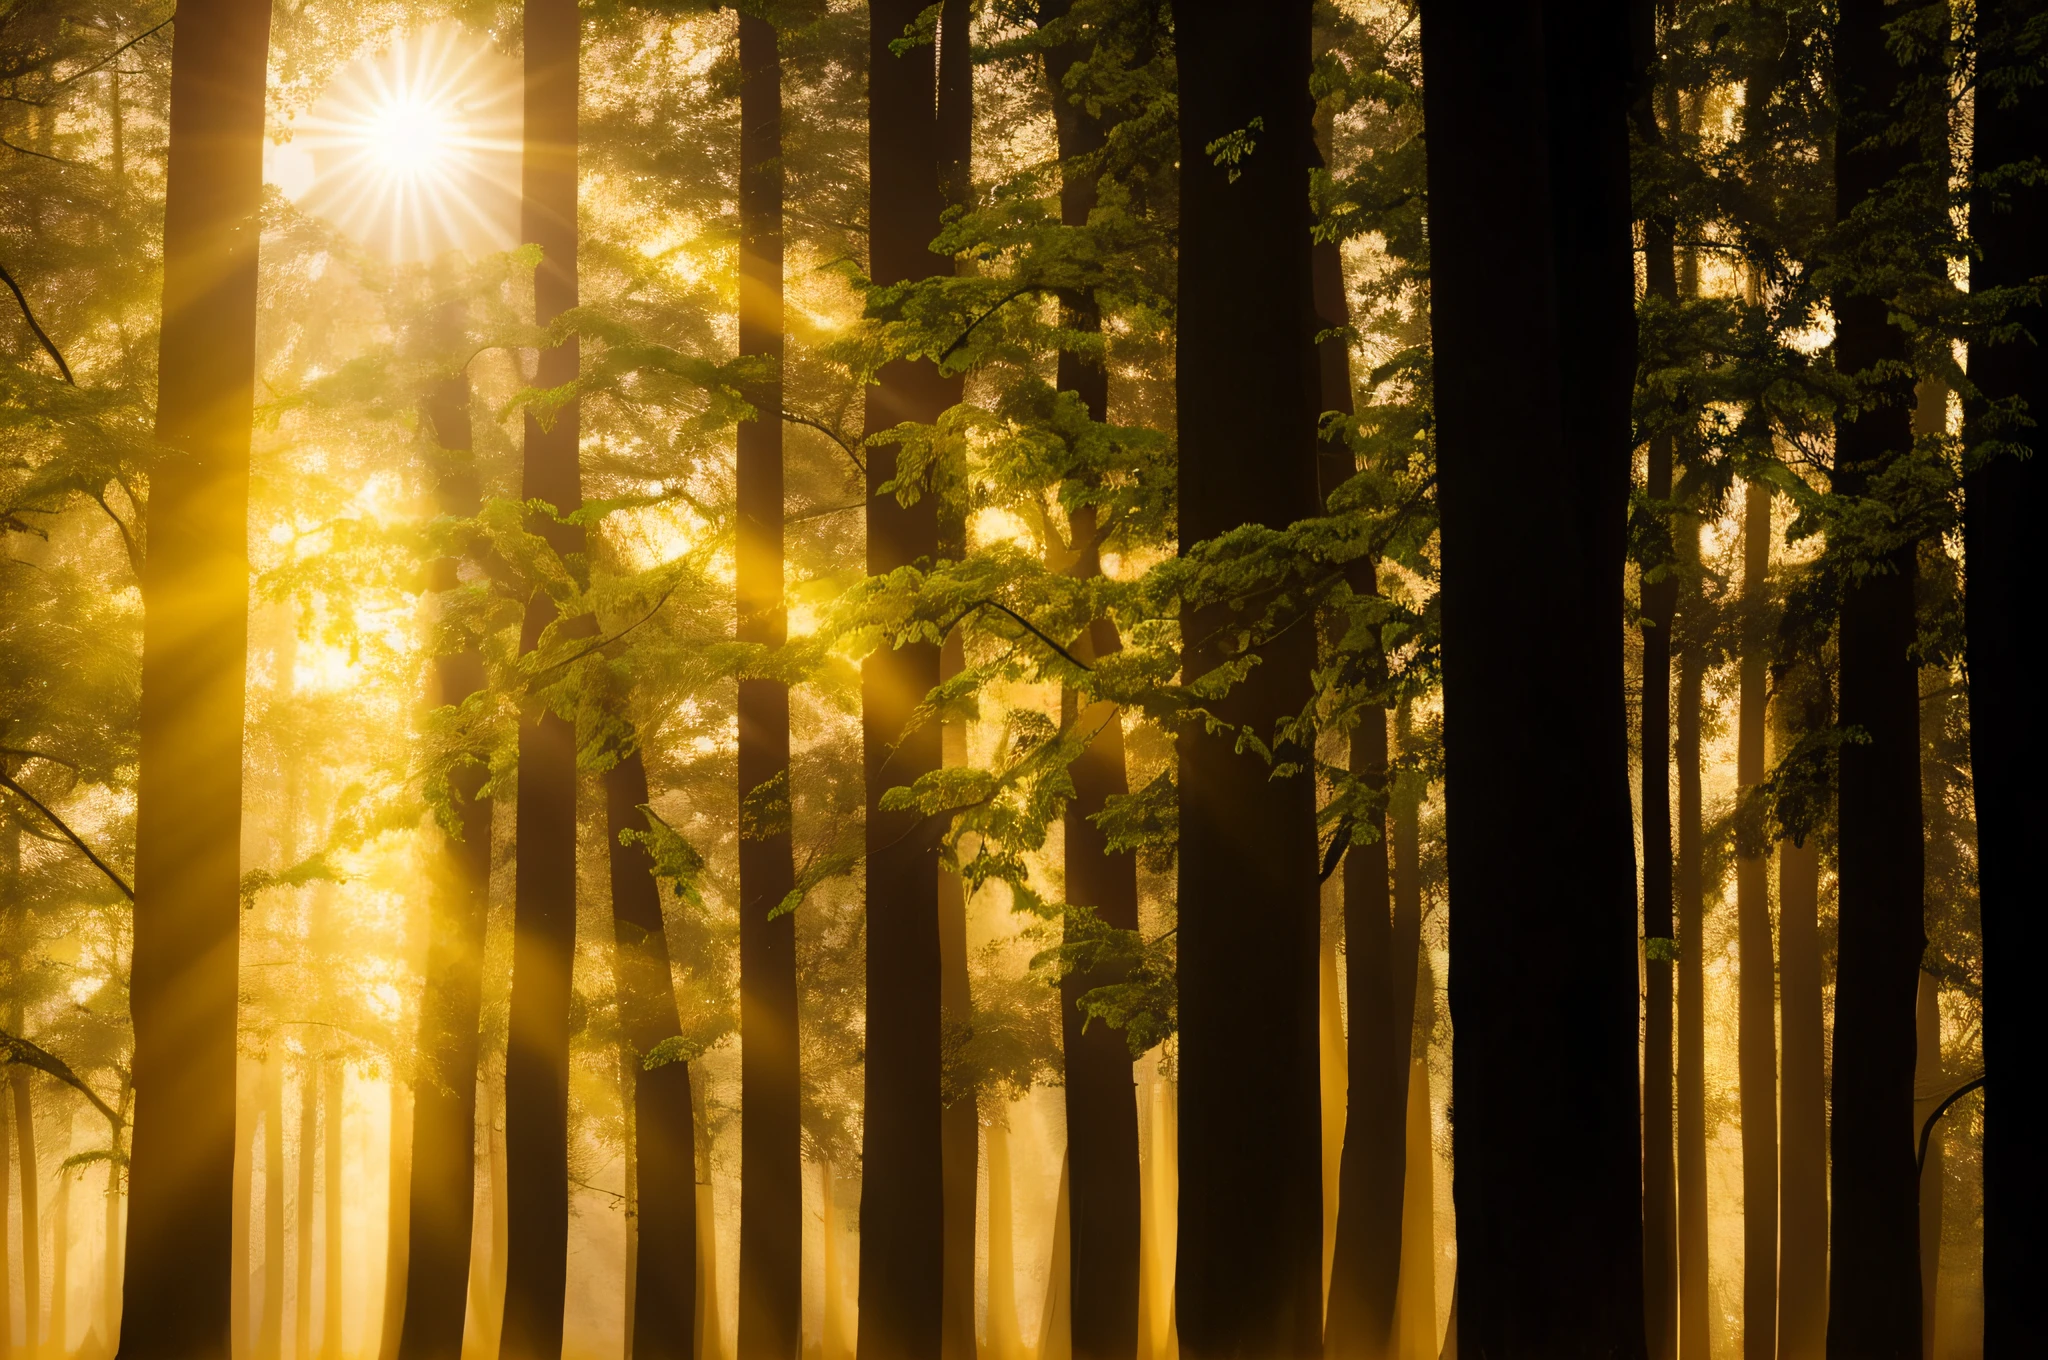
(771, 1157)
(1103, 1198)
(1874, 1283)
(185, 974)
(544, 910)
(1757, 982)
(1526, 108)
(902, 1168)
(1695, 1321)
(443, 1169)
(1249, 1279)
(2006, 502)
(1803, 1120)
(664, 1323)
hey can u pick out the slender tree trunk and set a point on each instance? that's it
(1005, 1337)
(1757, 982)
(31, 1203)
(270, 1331)
(441, 1220)
(1102, 1177)
(1874, 1285)
(902, 1259)
(1250, 1260)
(1930, 1087)
(960, 1122)
(544, 912)
(184, 976)
(2006, 500)
(771, 1158)
(1526, 106)
(244, 1205)
(1803, 1117)
(302, 1282)
(331, 1266)
(397, 1221)
(7, 841)
(1695, 1321)
(60, 1262)
(664, 1123)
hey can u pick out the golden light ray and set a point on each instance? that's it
(414, 150)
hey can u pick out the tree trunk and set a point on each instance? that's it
(1005, 1337)
(1757, 981)
(302, 1282)
(544, 911)
(1930, 1088)
(1250, 1259)
(1526, 106)
(60, 1261)
(771, 1158)
(1695, 1320)
(1874, 1284)
(2006, 500)
(443, 1170)
(8, 843)
(31, 1204)
(1102, 1178)
(184, 975)
(664, 1122)
(1803, 1118)
(270, 1332)
(902, 1258)
(397, 1221)
(336, 1078)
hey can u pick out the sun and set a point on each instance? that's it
(413, 149)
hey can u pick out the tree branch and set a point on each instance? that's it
(18, 1050)
(791, 417)
(30, 316)
(7, 781)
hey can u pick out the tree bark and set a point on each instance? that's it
(270, 1332)
(185, 969)
(902, 1258)
(1874, 1283)
(443, 1171)
(664, 1120)
(771, 1158)
(302, 1282)
(1803, 1116)
(1757, 981)
(1930, 1087)
(544, 911)
(2005, 502)
(9, 843)
(1526, 107)
(31, 1204)
(1250, 1256)
(1695, 1320)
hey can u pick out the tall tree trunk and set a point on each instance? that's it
(1659, 595)
(60, 1260)
(270, 1331)
(12, 846)
(1874, 1284)
(443, 1170)
(544, 911)
(1102, 1178)
(2005, 502)
(1930, 1087)
(1250, 1259)
(31, 1203)
(771, 1158)
(1803, 1115)
(1526, 106)
(1005, 1337)
(1757, 982)
(335, 1077)
(664, 1122)
(902, 1259)
(302, 1206)
(185, 969)
(1695, 1320)
(397, 1220)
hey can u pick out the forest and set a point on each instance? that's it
(1021, 679)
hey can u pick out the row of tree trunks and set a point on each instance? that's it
(183, 983)
(902, 1161)
(544, 912)
(1249, 1280)
(1874, 1283)
(1527, 107)
(2006, 500)
(771, 1209)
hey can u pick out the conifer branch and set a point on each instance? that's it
(29, 316)
(14, 1049)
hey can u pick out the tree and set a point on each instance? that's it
(2006, 496)
(544, 919)
(902, 1183)
(1250, 1256)
(1757, 989)
(183, 988)
(1534, 348)
(771, 1158)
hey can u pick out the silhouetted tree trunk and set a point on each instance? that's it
(270, 1333)
(1526, 107)
(1103, 1201)
(1695, 1321)
(443, 1171)
(1249, 1279)
(1930, 1088)
(7, 840)
(771, 1158)
(1757, 982)
(1803, 1116)
(664, 1120)
(544, 912)
(2006, 502)
(1874, 1282)
(31, 1199)
(902, 1258)
(185, 973)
